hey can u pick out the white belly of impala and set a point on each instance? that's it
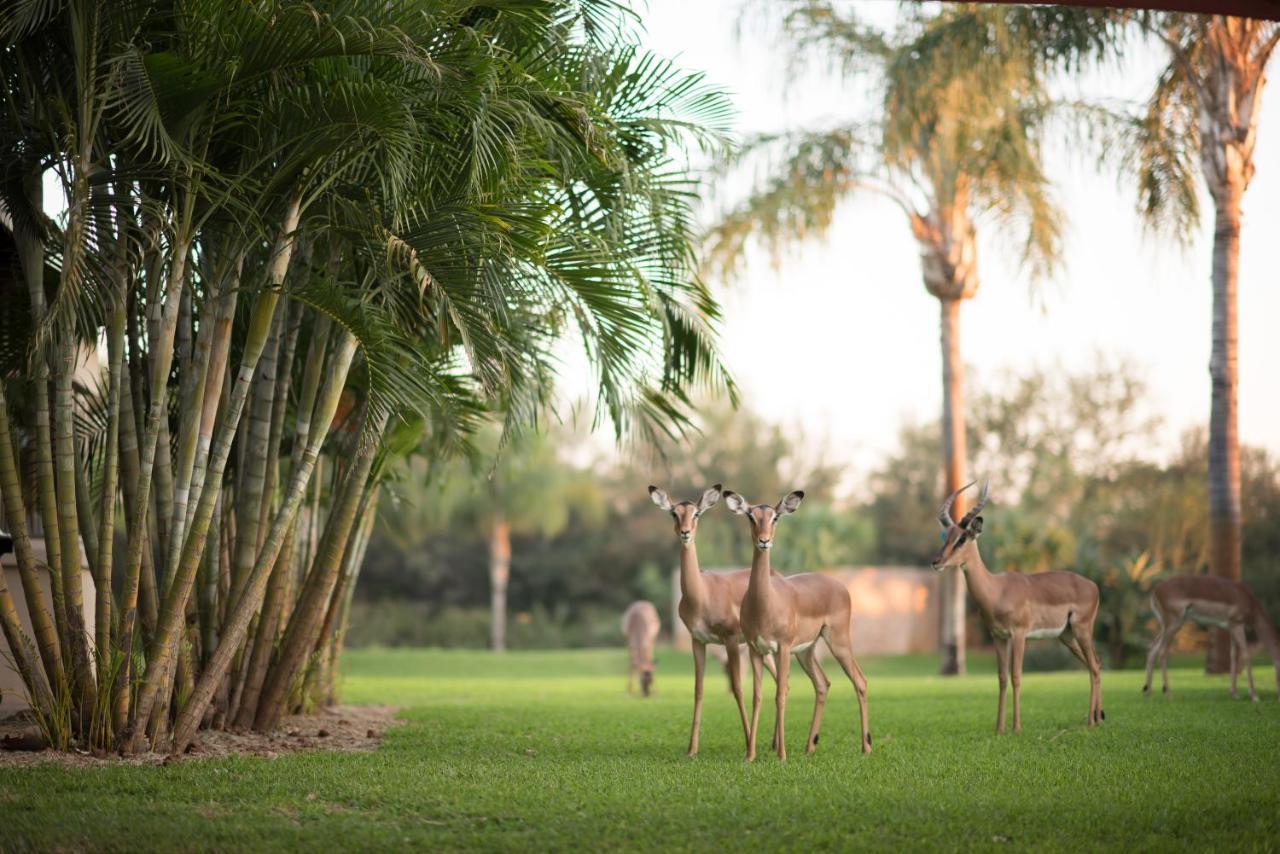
(1047, 633)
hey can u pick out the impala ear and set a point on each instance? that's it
(709, 498)
(790, 504)
(975, 527)
(735, 502)
(660, 498)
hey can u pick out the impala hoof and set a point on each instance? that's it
(1102, 714)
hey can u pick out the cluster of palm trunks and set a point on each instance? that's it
(779, 616)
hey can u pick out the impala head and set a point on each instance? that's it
(958, 537)
(686, 513)
(762, 517)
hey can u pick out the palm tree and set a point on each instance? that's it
(953, 147)
(315, 225)
(1203, 108)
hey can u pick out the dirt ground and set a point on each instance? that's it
(343, 728)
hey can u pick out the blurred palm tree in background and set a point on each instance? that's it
(954, 145)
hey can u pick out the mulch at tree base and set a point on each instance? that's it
(336, 728)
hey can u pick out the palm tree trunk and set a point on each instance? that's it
(16, 513)
(499, 573)
(242, 612)
(309, 613)
(954, 451)
(1224, 437)
(273, 607)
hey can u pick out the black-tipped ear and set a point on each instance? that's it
(790, 503)
(975, 527)
(735, 502)
(659, 497)
(709, 498)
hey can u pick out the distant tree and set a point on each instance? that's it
(953, 146)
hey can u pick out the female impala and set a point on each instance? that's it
(1060, 605)
(640, 626)
(785, 615)
(709, 603)
(1210, 601)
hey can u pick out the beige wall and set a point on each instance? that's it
(15, 695)
(895, 609)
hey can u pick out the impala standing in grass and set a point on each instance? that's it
(709, 603)
(1060, 605)
(1217, 603)
(640, 625)
(786, 615)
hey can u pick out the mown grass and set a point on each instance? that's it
(546, 751)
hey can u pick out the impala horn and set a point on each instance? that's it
(944, 515)
(977, 508)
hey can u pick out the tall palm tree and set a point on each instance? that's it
(1203, 111)
(953, 147)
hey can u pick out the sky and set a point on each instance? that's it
(855, 335)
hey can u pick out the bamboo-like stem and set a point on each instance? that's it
(23, 654)
(304, 626)
(243, 610)
(16, 511)
(110, 475)
(344, 616)
(268, 624)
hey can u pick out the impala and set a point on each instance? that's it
(640, 625)
(1060, 605)
(786, 616)
(709, 603)
(1210, 601)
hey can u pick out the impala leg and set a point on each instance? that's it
(1237, 634)
(699, 665)
(1082, 636)
(1235, 663)
(1017, 646)
(1002, 671)
(734, 666)
(1166, 641)
(1152, 655)
(780, 701)
(757, 676)
(1070, 641)
(821, 684)
(844, 654)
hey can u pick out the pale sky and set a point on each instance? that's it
(855, 335)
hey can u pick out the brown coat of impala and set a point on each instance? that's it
(1060, 605)
(640, 626)
(787, 615)
(709, 603)
(1216, 602)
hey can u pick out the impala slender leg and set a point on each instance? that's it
(1071, 642)
(757, 676)
(631, 678)
(1002, 671)
(699, 665)
(1082, 635)
(1235, 663)
(1166, 642)
(1152, 655)
(780, 701)
(821, 684)
(1018, 646)
(844, 654)
(734, 666)
(1237, 634)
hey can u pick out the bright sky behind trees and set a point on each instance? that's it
(840, 336)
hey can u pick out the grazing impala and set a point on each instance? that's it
(640, 625)
(786, 615)
(1210, 601)
(1060, 605)
(709, 603)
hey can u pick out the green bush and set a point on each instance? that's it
(418, 624)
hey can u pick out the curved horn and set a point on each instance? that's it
(944, 515)
(977, 508)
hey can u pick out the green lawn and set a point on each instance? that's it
(546, 751)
